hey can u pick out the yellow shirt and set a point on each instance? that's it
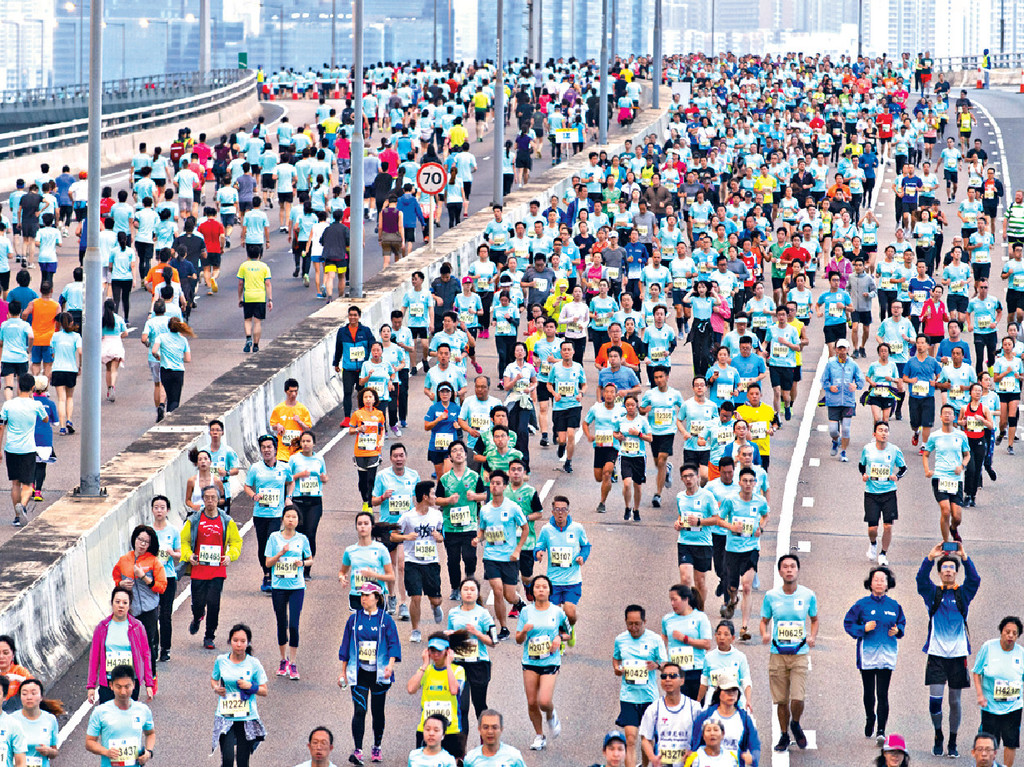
(254, 275)
(295, 419)
(799, 326)
(436, 698)
(763, 413)
(457, 135)
(481, 100)
(330, 124)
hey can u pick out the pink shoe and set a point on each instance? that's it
(479, 370)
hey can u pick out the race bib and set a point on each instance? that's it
(663, 416)
(984, 322)
(779, 351)
(758, 429)
(613, 273)
(367, 441)
(479, 420)
(566, 388)
(759, 322)
(670, 757)
(127, 751)
(683, 657)
(749, 526)
(974, 424)
(724, 391)
(33, 761)
(461, 516)
(380, 387)
(561, 556)
(836, 310)
(442, 441)
(886, 283)
(425, 549)
(642, 230)
(287, 568)
(878, 472)
(545, 368)
(790, 632)
(604, 438)
(309, 485)
(538, 647)
(356, 353)
(115, 658)
(724, 435)
(635, 671)
(231, 706)
(368, 653)
(483, 283)
(1006, 690)
(358, 579)
(540, 284)
(466, 317)
(270, 496)
(630, 444)
(896, 347)
(679, 283)
(435, 707)
(959, 286)
(504, 328)
(399, 504)
(1006, 384)
(919, 388)
(416, 310)
(210, 555)
(657, 355)
(494, 535)
(949, 485)
(918, 296)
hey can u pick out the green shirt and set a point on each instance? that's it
(527, 499)
(461, 516)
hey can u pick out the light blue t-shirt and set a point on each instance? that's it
(270, 483)
(404, 496)
(696, 625)
(373, 557)
(507, 756)
(639, 684)
(14, 337)
(1002, 676)
(242, 705)
(788, 613)
(664, 410)
(948, 451)
(418, 758)
(566, 382)
(124, 730)
(701, 504)
(501, 527)
(879, 465)
(547, 624)
(604, 422)
(40, 732)
(255, 227)
(479, 618)
(307, 487)
(19, 415)
(749, 513)
(563, 547)
(288, 573)
(169, 540)
(834, 304)
(173, 348)
(65, 347)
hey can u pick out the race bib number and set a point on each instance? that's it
(679, 283)
(759, 322)
(696, 428)
(1018, 281)
(482, 283)
(399, 504)
(919, 388)
(604, 438)
(416, 310)
(498, 239)
(163, 556)
(425, 549)
(380, 387)
(309, 485)
(779, 351)
(723, 391)
(959, 286)
(368, 653)
(358, 579)
(982, 257)
(466, 317)
(287, 568)
(356, 353)
(367, 441)
(127, 751)
(461, 516)
(115, 658)
(670, 757)
(630, 444)
(886, 283)
(504, 328)
(1006, 384)
(613, 273)
(724, 435)
(949, 485)
(974, 424)
(758, 430)
(538, 647)
(1006, 690)
(878, 472)
(270, 496)
(642, 230)
(896, 347)
(290, 436)
(566, 388)
(657, 355)
(442, 441)
(209, 555)
(494, 535)
(663, 416)
(683, 657)
(33, 761)
(545, 368)
(231, 706)
(984, 322)
(561, 556)
(468, 652)
(918, 296)
(836, 310)
(434, 707)
(479, 420)
(790, 632)
(634, 671)
(749, 526)
(540, 284)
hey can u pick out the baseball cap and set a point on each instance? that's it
(438, 643)
(613, 735)
(895, 742)
(369, 588)
(842, 343)
(467, 279)
(728, 682)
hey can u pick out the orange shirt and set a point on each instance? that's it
(295, 419)
(44, 316)
(369, 443)
(155, 275)
(629, 358)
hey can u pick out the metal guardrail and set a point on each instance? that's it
(55, 136)
(193, 81)
(966, 63)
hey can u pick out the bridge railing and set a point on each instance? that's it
(967, 63)
(185, 82)
(223, 90)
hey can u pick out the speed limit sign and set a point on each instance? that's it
(432, 178)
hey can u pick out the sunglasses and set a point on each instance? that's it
(670, 676)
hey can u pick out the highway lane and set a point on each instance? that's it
(217, 321)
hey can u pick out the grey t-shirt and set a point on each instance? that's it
(543, 280)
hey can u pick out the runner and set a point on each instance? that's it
(472, 655)
(394, 490)
(492, 752)
(288, 552)
(696, 507)
(419, 531)
(237, 680)
(442, 683)
(255, 296)
(744, 515)
(542, 629)
(288, 420)
(368, 424)
(120, 729)
(118, 640)
(922, 372)
(501, 522)
(737, 730)
(881, 466)
(976, 421)
(638, 652)
(599, 427)
(632, 431)
(667, 725)
(661, 405)
(269, 484)
(37, 718)
(952, 455)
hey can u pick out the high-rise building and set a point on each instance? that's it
(26, 43)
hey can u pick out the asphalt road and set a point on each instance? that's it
(816, 508)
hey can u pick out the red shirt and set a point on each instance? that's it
(211, 229)
(211, 533)
(884, 123)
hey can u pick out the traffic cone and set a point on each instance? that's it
(981, 81)
(1021, 81)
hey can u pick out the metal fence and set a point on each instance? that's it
(214, 95)
(967, 63)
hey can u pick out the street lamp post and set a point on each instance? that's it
(334, 35)
(356, 190)
(499, 106)
(602, 70)
(656, 96)
(205, 39)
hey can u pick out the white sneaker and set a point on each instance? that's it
(539, 742)
(415, 637)
(554, 725)
(883, 560)
(873, 551)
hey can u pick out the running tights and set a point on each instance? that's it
(876, 683)
(287, 609)
(839, 429)
(935, 707)
(234, 748)
(367, 689)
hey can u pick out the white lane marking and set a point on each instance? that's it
(81, 711)
(814, 462)
(821, 426)
(578, 437)
(1008, 187)
(546, 489)
(808, 502)
(803, 546)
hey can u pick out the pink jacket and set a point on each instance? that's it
(719, 315)
(140, 654)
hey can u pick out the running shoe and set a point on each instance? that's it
(627, 514)
(504, 634)
(165, 655)
(213, 284)
(883, 560)
(744, 634)
(193, 627)
(539, 742)
(376, 755)
(783, 745)
(305, 280)
(209, 645)
(668, 474)
(789, 413)
(265, 586)
(951, 750)
(937, 745)
(416, 637)
(798, 734)
(843, 458)
(561, 450)
(572, 635)
(454, 596)
(346, 422)
(636, 515)
(356, 757)
(873, 551)
(567, 468)
(255, 348)
(438, 615)
(835, 447)
(248, 347)
(554, 725)
(544, 440)
(601, 509)
(915, 439)
(656, 501)
(37, 496)
(71, 429)
(282, 668)
(392, 604)
(293, 672)
(516, 609)
(403, 612)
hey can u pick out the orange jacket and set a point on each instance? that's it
(125, 568)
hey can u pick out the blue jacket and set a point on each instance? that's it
(841, 375)
(947, 621)
(748, 741)
(876, 649)
(410, 209)
(364, 337)
(388, 645)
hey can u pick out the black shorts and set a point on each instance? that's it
(541, 670)
(64, 378)
(254, 310)
(737, 563)
(436, 457)
(633, 468)
(630, 714)
(526, 563)
(834, 332)
(409, 234)
(1005, 728)
(839, 412)
(951, 176)
(957, 303)
(698, 556)
(563, 420)
(506, 572)
(21, 467)
(285, 196)
(1007, 397)
(212, 260)
(778, 282)
(423, 579)
(881, 402)
(543, 395)
(798, 374)
(267, 181)
(253, 250)
(922, 412)
(1014, 300)
(956, 498)
(13, 369)
(951, 671)
(604, 455)
(662, 444)
(696, 457)
(781, 376)
(418, 332)
(880, 506)
(863, 318)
